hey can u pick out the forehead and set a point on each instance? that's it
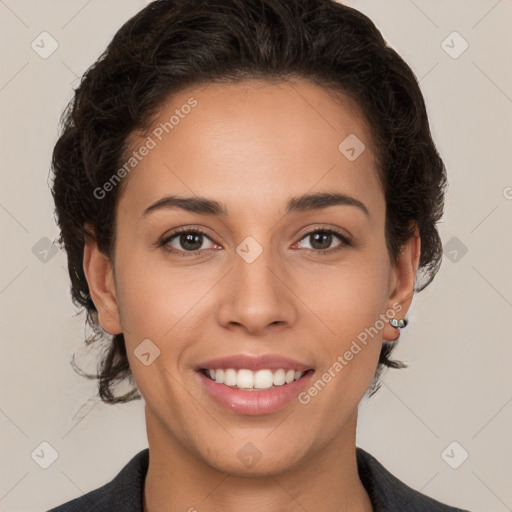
(250, 145)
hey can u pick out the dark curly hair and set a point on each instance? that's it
(173, 44)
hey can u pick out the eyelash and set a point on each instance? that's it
(163, 243)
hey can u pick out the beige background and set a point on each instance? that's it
(458, 386)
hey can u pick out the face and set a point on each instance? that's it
(277, 287)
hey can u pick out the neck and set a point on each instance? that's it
(178, 480)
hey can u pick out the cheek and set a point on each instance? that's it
(153, 297)
(350, 308)
(349, 349)
(159, 305)
(349, 297)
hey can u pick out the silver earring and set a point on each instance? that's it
(399, 323)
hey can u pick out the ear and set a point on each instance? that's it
(401, 283)
(100, 279)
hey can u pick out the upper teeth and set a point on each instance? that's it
(247, 379)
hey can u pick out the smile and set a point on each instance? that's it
(249, 380)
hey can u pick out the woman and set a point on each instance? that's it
(248, 192)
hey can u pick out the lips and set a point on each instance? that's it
(254, 363)
(254, 385)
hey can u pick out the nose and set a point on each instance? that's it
(257, 296)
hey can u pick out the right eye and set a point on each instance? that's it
(190, 240)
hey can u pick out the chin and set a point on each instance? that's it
(262, 468)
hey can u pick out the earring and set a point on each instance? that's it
(399, 323)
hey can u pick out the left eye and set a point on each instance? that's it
(322, 239)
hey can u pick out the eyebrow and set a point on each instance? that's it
(303, 203)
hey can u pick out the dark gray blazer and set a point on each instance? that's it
(124, 492)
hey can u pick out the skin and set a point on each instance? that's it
(252, 146)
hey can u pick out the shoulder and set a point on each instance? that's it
(123, 493)
(387, 492)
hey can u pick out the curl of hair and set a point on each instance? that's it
(173, 44)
